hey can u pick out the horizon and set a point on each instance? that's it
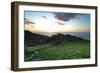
(85, 35)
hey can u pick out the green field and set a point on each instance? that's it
(67, 50)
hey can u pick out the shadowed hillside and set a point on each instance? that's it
(32, 39)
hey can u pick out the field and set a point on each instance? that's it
(79, 49)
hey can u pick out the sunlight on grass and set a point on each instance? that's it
(67, 50)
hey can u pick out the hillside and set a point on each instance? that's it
(33, 39)
(57, 47)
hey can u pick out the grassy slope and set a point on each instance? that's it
(68, 50)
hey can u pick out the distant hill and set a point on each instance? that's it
(33, 39)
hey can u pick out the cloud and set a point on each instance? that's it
(60, 23)
(44, 17)
(67, 16)
(27, 21)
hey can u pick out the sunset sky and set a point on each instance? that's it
(56, 22)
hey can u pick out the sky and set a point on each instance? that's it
(36, 21)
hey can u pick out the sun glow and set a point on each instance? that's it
(47, 25)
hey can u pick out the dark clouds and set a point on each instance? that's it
(66, 16)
